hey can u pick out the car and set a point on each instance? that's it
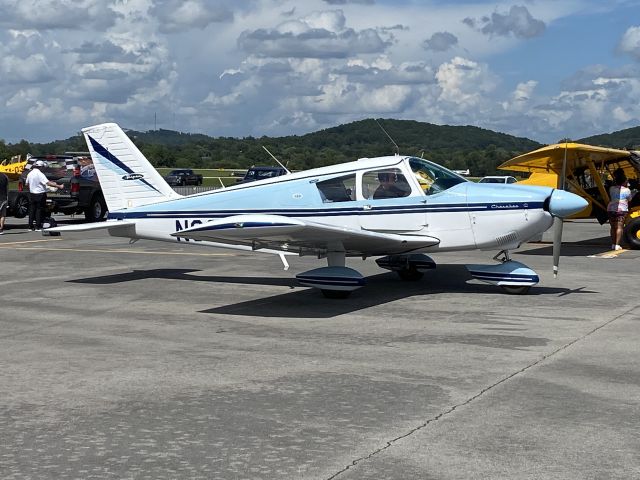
(498, 179)
(260, 173)
(81, 192)
(183, 176)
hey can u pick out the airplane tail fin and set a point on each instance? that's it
(127, 178)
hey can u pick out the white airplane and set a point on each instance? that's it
(398, 208)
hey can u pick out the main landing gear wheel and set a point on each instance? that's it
(336, 293)
(410, 274)
(516, 290)
(632, 233)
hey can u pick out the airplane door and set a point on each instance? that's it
(391, 203)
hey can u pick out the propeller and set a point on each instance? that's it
(557, 221)
(557, 242)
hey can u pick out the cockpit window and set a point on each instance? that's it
(387, 183)
(432, 177)
(339, 189)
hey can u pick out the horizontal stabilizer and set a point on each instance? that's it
(86, 227)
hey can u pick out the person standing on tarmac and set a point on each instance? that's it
(4, 199)
(37, 183)
(618, 207)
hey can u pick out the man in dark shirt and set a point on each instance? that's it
(390, 187)
(4, 199)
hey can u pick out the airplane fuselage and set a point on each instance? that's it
(465, 216)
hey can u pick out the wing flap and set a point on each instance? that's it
(304, 237)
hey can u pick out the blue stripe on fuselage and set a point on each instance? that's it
(332, 212)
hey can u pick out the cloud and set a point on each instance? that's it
(440, 42)
(344, 2)
(25, 70)
(521, 98)
(318, 35)
(464, 82)
(630, 42)
(178, 16)
(105, 51)
(62, 14)
(518, 22)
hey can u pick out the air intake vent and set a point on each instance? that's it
(508, 239)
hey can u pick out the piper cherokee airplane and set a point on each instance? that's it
(398, 208)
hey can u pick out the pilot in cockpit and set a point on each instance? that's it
(391, 186)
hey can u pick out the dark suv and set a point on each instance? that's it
(260, 173)
(81, 192)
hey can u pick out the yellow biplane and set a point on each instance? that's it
(587, 171)
(13, 168)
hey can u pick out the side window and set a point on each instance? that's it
(339, 189)
(387, 183)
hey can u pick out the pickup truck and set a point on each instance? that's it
(260, 173)
(81, 192)
(183, 176)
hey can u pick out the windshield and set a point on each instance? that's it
(432, 177)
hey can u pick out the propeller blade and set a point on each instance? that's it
(557, 242)
(557, 221)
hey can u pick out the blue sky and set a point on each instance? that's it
(540, 69)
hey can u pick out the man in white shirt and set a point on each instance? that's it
(37, 183)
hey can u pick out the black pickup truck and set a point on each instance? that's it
(183, 176)
(81, 192)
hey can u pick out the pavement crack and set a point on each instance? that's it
(390, 443)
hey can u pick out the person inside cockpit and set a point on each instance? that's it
(390, 187)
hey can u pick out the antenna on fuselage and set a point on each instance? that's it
(274, 157)
(385, 132)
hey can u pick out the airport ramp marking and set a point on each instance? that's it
(97, 250)
(608, 254)
(30, 241)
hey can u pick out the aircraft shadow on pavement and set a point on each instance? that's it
(309, 302)
(183, 274)
(571, 249)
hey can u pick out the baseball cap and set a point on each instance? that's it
(39, 163)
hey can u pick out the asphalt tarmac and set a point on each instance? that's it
(154, 361)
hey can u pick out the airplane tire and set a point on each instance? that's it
(515, 290)
(632, 233)
(410, 274)
(335, 293)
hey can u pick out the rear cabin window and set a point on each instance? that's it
(386, 183)
(339, 189)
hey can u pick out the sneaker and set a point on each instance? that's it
(1, 232)
(617, 247)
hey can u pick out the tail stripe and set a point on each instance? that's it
(98, 148)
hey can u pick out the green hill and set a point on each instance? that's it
(457, 147)
(627, 139)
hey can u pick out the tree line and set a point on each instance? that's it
(456, 147)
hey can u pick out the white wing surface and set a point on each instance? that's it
(303, 237)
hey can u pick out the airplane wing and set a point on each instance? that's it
(550, 158)
(301, 236)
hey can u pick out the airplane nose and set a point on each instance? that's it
(563, 204)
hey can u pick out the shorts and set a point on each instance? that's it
(616, 217)
(3, 208)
